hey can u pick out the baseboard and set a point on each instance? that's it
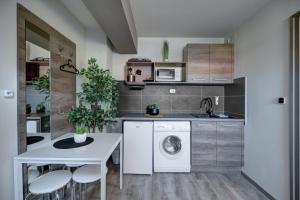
(257, 186)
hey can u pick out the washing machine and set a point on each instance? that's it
(171, 146)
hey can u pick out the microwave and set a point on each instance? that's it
(168, 74)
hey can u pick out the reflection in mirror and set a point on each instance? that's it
(38, 97)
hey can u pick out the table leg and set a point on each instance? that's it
(103, 181)
(121, 164)
(18, 180)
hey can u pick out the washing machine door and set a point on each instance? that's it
(171, 146)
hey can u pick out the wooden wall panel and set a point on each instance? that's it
(63, 95)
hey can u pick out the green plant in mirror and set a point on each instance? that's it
(42, 84)
(97, 100)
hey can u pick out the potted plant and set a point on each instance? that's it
(98, 99)
(40, 108)
(165, 51)
(80, 134)
(152, 109)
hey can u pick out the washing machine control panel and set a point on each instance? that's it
(176, 126)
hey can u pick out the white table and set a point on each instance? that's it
(98, 152)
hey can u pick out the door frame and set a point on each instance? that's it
(294, 105)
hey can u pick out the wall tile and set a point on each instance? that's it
(130, 103)
(188, 90)
(235, 105)
(156, 90)
(209, 91)
(187, 103)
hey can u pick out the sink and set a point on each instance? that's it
(212, 116)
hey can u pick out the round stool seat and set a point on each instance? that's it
(50, 182)
(87, 174)
(73, 165)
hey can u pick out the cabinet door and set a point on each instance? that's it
(204, 140)
(138, 147)
(198, 63)
(229, 144)
(221, 63)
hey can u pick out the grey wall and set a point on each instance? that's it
(186, 100)
(262, 54)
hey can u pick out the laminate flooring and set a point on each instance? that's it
(174, 186)
(178, 186)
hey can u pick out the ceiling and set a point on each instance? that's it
(192, 18)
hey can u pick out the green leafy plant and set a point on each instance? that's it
(165, 51)
(152, 106)
(98, 99)
(42, 84)
(40, 108)
(80, 130)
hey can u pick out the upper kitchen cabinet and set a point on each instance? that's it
(221, 63)
(209, 63)
(197, 58)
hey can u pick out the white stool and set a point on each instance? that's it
(33, 174)
(87, 174)
(50, 182)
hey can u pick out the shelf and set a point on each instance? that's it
(140, 63)
(154, 63)
(187, 83)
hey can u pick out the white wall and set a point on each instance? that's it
(56, 15)
(152, 48)
(96, 46)
(8, 107)
(262, 54)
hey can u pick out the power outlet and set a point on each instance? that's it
(8, 94)
(172, 91)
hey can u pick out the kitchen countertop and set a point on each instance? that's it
(168, 117)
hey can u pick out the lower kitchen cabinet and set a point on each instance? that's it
(204, 143)
(229, 144)
(217, 146)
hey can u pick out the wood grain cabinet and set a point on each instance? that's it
(217, 146)
(221, 63)
(209, 63)
(197, 58)
(204, 143)
(229, 144)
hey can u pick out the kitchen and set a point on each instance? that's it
(151, 100)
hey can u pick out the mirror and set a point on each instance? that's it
(37, 93)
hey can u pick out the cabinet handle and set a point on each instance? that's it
(199, 79)
(230, 125)
(221, 79)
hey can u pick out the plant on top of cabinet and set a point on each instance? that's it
(97, 100)
(165, 51)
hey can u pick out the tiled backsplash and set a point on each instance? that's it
(235, 95)
(185, 100)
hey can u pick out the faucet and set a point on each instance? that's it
(208, 105)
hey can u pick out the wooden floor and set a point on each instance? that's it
(178, 186)
(174, 186)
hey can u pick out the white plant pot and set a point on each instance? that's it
(80, 138)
